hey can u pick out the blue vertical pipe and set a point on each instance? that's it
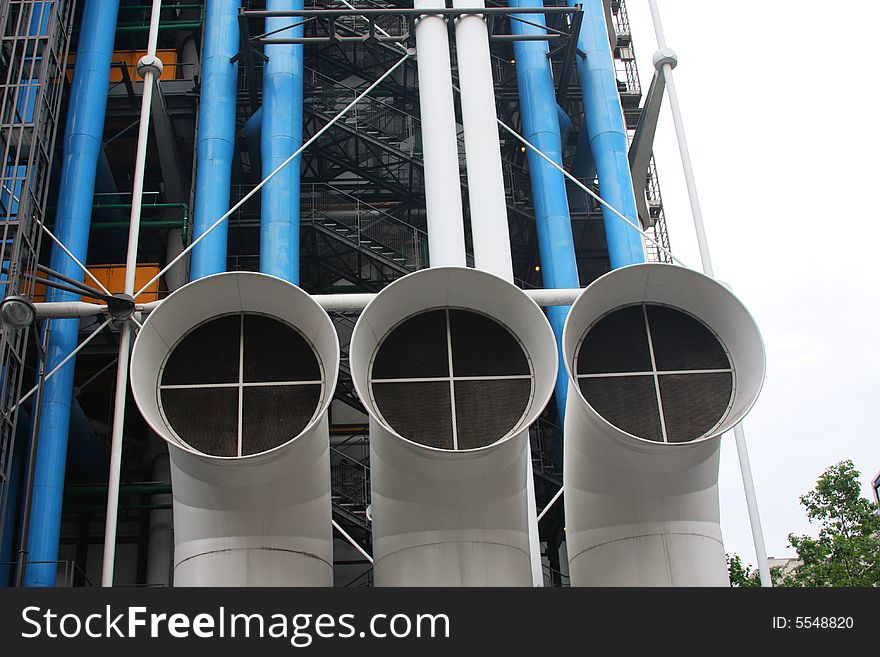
(215, 146)
(82, 145)
(281, 136)
(540, 118)
(607, 132)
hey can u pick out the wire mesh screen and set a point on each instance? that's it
(206, 417)
(419, 411)
(480, 400)
(693, 404)
(655, 372)
(415, 348)
(240, 384)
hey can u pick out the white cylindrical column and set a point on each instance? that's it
(485, 177)
(662, 361)
(452, 365)
(439, 140)
(236, 372)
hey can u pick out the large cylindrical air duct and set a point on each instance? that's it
(281, 136)
(215, 141)
(606, 128)
(439, 140)
(452, 365)
(236, 372)
(486, 195)
(662, 361)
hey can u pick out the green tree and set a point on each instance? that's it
(741, 575)
(847, 549)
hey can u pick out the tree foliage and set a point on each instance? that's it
(741, 575)
(847, 549)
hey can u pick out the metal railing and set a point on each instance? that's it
(360, 222)
(350, 480)
(69, 574)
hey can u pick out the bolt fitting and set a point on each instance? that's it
(150, 63)
(663, 57)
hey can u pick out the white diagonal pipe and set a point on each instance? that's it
(446, 246)
(641, 512)
(262, 519)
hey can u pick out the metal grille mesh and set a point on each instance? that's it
(207, 417)
(240, 412)
(617, 343)
(275, 352)
(482, 346)
(489, 409)
(693, 403)
(682, 342)
(207, 354)
(414, 348)
(627, 402)
(491, 376)
(272, 415)
(625, 363)
(420, 411)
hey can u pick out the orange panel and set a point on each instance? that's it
(131, 58)
(113, 278)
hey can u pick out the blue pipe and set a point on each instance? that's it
(607, 132)
(540, 118)
(281, 136)
(82, 145)
(216, 140)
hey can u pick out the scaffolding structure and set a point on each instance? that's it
(363, 219)
(34, 39)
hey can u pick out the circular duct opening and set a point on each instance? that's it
(240, 384)
(452, 379)
(655, 372)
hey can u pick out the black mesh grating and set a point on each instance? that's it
(208, 354)
(419, 411)
(682, 342)
(694, 403)
(417, 347)
(486, 411)
(616, 343)
(273, 351)
(205, 418)
(483, 347)
(627, 402)
(273, 415)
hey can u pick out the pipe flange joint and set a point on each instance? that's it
(120, 306)
(150, 64)
(663, 57)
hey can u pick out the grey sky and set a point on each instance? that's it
(777, 99)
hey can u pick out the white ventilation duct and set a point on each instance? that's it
(236, 372)
(662, 360)
(452, 365)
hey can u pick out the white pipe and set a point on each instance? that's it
(261, 519)
(61, 309)
(641, 512)
(151, 67)
(488, 205)
(447, 516)
(439, 140)
(706, 259)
